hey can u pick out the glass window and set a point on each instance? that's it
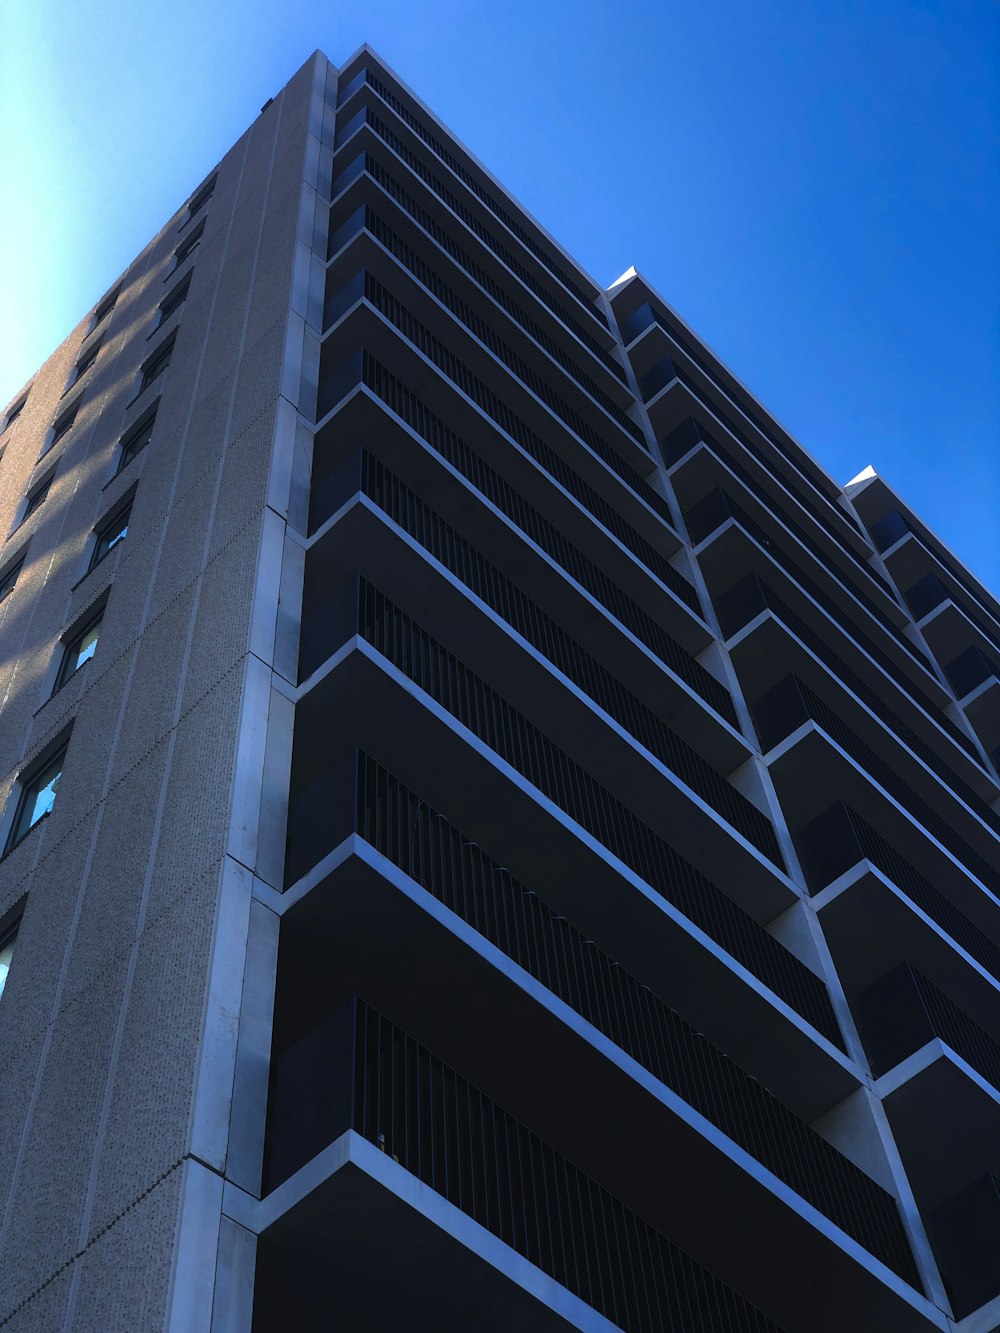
(14, 413)
(155, 367)
(187, 247)
(105, 308)
(174, 300)
(87, 360)
(8, 580)
(136, 439)
(6, 954)
(110, 535)
(37, 799)
(79, 649)
(199, 200)
(64, 423)
(36, 498)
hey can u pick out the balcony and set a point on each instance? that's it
(604, 620)
(879, 911)
(774, 646)
(534, 395)
(975, 676)
(452, 292)
(950, 630)
(817, 759)
(544, 671)
(375, 143)
(909, 555)
(359, 1093)
(699, 463)
(439, 384)
(940, 1083)
(401, 227)
(552, 834)
(719, 508)
(382, 99)
(767, 639)
(535, 475)
(787, 460)
(400, 936)
(965, 1234)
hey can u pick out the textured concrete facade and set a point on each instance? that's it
(525, 854)
(105, 1018)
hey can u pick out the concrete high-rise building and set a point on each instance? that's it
(493, 836)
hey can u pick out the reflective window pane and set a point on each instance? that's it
(6, 954)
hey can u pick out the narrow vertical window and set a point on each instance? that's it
(6, 954)
(37, 799)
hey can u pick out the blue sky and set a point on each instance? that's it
(814, 187)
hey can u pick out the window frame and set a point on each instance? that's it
(160, 354)
(73, 638)
(9, 930)
(14, 413)
(86, 361)
(119, 514)
(35, 497)
(125, 441)
(200, 198)
(104, 308)
(173, 301)
(29, 786)
(62, 425)
(10, 574)
(187, 248)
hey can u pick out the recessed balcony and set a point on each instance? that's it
(385, 406)
(878, 911)
(470, 331)
(731, 552)
(700, 463)
(965, 1234)
(771, 651)
(477, 1175)
(940, 1086)
(767, 638)
(667, 1138)
(361, 699)
(643, 540)
(815, 760)
(586, 711)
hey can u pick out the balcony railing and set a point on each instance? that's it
(965, 1234)
(791, 702)
(839, 838)
(366, 218)
(494, 407)
(528, 619)
(351, 371)
(522, 745)
(742, 602)
(646, 316)
(689, 432)
(498, 209)
(712, 511)
(893, 525)
(487, 335)
(379, 1082)
(927, 593)
(364, 368)
(502, 252)
(459, 874)
(903, 1011)
(969, 669)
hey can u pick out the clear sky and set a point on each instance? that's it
(812, 184)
